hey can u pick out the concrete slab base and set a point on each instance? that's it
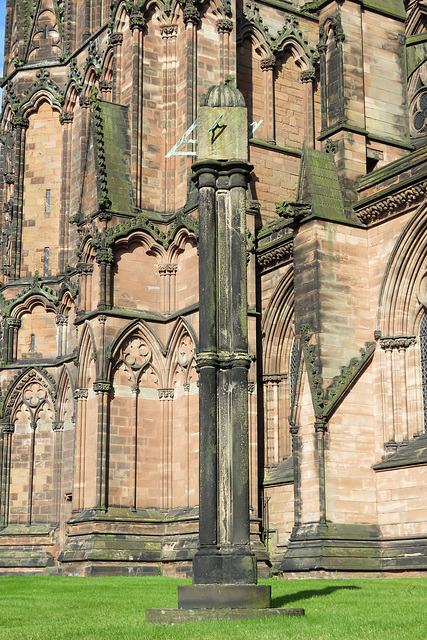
(182, 616)
(224, 596)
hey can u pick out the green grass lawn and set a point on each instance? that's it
(51, 607)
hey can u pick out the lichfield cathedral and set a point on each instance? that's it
(99, 298)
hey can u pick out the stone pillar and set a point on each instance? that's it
(224, 568)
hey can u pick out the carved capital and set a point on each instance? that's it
(102, 386)
(309, 75)
(66, 117)
(166, 394)
(135, 389)
(169, 31)
(80, 394)
(399, 342)
(186, 386)
(20, 122)
(137, 21)
(320, 426)
(13, 322)
(251, 386)
(224, 25)
(116, 39)
(84, 102)
(168, 269)
(85, 268)
(191, 14)
(58, 425)
(105, 85)
(268, 63)
(61, 320)
(104, 256)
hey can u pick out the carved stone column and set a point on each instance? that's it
(102, 389)
(267, 66)
(12, 326)
(224, 27)
(80, 396)
(396, 426)
(116, 39)
(20, 124)
(66, 119)
(307, 78)
(137, 25)
(224, 567)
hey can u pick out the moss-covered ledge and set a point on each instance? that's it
(283, 473)
(410, 455)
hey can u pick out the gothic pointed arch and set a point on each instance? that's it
(278, 339)
(45, 40)
(29, 392)
(139, 351)
(181, 351)
(403, 288)
(65, 397)
(278, 326)
(88, 368)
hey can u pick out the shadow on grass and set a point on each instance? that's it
(281, 601)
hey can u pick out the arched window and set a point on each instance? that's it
(423, 350)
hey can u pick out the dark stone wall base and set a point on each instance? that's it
(333, 547)
(180, 616)
(224, 596)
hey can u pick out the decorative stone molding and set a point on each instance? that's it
(277, 255)
(166, 394)
(9, 178)
(331, 146)
(391, 204)
(290, 29)
(399, 342)
(141, 221)
(274, 378)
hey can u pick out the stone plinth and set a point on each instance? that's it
(180, 616)
(224, 596)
